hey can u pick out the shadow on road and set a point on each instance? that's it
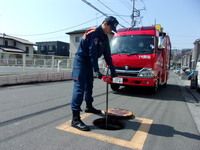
(168, 131)
(155, 129)
(171, 92)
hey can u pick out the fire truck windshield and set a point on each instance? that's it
(133, 44)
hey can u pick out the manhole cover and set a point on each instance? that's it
(120, 113)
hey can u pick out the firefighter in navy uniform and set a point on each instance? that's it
(93, 45)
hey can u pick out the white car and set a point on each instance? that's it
(177, 70)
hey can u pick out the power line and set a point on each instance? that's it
(94, 7)
(128, 2)
(50, 38)
(143, 4)
(112, 11)
(57, 30)
(119, 15)
(125, 4)
(98, 10)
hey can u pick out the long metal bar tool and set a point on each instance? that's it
(107, 97)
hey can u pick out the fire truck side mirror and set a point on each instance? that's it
(161, 42)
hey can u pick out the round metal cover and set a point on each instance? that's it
(120, 113)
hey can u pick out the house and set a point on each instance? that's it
(15, 45)
(53, 48)
(75, 38)
(176, 58)
(195, 53)
(186, 59)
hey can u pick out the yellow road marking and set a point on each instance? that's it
(141, 135)
(137, 141)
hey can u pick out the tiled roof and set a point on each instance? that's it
(16, 39)
(12, 49)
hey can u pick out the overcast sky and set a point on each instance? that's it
(49, 20)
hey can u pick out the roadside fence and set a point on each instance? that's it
(16, 68)
(15, 64)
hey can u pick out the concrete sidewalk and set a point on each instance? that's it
(184, 79)
(193, 106)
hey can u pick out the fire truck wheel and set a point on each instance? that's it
(114, 87)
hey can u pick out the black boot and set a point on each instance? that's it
(77, 123)
(90, 109)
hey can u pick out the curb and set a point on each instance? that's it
(193, 92)
(34, 78)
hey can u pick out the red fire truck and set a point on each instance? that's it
(141, 57)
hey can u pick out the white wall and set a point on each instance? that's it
(10, 42)
(74, 45)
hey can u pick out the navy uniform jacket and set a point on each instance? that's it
(93, 45)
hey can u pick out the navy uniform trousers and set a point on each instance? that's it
(83, 81)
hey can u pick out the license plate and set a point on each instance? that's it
(117, 80)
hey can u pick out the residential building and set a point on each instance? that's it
(53, 48)
(75, 38)
(15, 44)
(195, 53)
(186, 58)
(176, 58)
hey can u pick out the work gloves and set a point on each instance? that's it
(99, 75)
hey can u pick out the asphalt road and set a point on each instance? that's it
(37, 117)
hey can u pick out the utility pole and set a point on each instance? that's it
(135, 13)
(132, 16)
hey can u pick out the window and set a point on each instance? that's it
(15, 43)
(51, 47)
(77, 39)
(27, 49)
(133, 44)
(42, 48)
(6, 43)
